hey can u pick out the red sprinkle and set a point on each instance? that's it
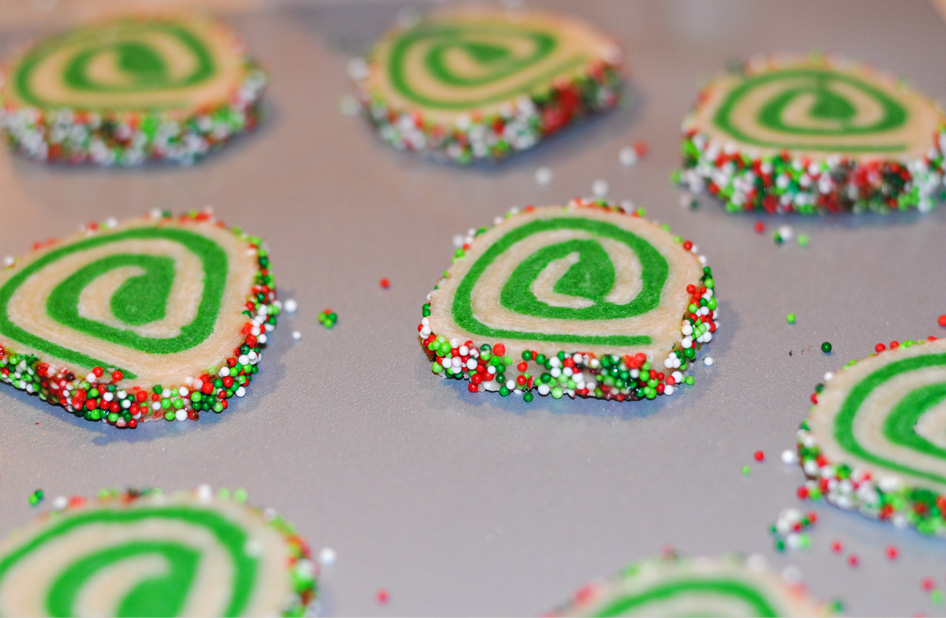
(928, 584)
(759, 227)
(892, 552)
(836, 547)
(942, 320)
(383, 595)
(759, 456)
(853, 560)
(385, 283)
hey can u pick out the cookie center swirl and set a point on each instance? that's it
(142, 65)
(464, 66)
(908, 435)
(561, 269)
(151, 290)
(137, 562)
(813, 109)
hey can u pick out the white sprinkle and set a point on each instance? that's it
(786, 232)
(627, 156)
(8, 261)
(60, 503)
(599, 188)
(327, 557)
(181, 415)
(348, 105)
(708, 361)
(543, 175)
(789, 457)
(828, 376)
(357, 69)
(296, 335)
(224, 371)
(291, 306)
(204, 492)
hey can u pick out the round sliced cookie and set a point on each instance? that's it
(155, 318)
(131, 89)
(480, 83)
(676, 586)
(582, 300)
(874, 439)
(150, 554)
(814, 134)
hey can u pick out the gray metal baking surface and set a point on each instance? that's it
(474, 504)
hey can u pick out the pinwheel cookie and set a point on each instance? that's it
(675, 586)
(481, 83)
(131, 89)
(874, 440)
(814, 134)
(582, 300)
(155, 318)
(150, 554)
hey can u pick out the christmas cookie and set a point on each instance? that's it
(155, 318)
(674, 586)
(149, 554)
(124, 91)
(814, 134)
(583, 300)
(483, 83)
(875, 439)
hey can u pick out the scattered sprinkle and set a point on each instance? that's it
(837, 547)
(36, 497)
(689, 201)
(327, 557)
(543, 175)
(708, 361)
(853, 560)
(759, 227)
(348, 105)
(627, 156)
(790, 318)
(942, 320)
(385, 283)
(599, 188)
(746, 470)
(296, 335)
(786, 232)
(826, 347)
(892, 552)
(803, 240)
(927, 584)
(383, 596)
(759, 456)
(789, 457)
(328, 318)
(290, 306)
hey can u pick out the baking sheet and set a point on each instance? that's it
(473, 504)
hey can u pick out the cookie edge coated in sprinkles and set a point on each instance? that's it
(109, 138)
(665, 375)
(98, 396)
(474, 137)
(792, 184)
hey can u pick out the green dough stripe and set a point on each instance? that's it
(591, 277)
(143, 67)
(900, 425)
(753, 598)
(163, 595)
(138, 300)
(498, 62)
(829, 105)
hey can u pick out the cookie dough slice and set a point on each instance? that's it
(130, 89)
(584, 300)
(676, 586)
(874, 440)
(150, 554)
(155, 318)
(482, 83)
(814, 134)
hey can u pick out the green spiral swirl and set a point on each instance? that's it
(830, 112)
(163, 594)
(139, 300)
(591, 277)
(726, 590)
(489, 48)
(141, 65)
(900, 422)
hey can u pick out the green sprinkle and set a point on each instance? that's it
(803, 240)
(790, 318)
(746, 470)
(826, 347)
